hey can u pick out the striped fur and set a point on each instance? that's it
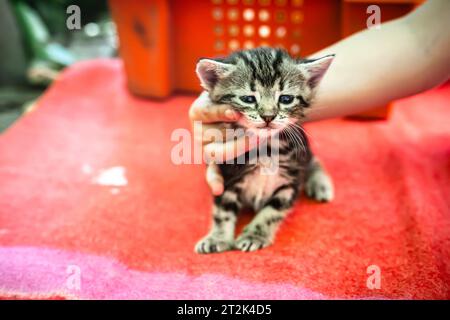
(269, 77)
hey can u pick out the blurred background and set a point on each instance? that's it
(161, 40)
(37, 44)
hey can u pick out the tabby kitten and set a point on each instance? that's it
(270, 89)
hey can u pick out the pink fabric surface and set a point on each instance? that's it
(42, 273)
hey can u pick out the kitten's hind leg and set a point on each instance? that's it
(319, 185)
(261, 231)
(221, 236)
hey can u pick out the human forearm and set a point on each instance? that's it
(373, 67)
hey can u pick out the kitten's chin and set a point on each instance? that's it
(264, 132)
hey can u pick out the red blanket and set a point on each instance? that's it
(91, 205)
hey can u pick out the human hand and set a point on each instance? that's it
(206, 115)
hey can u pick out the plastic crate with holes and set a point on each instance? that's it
(162, 40)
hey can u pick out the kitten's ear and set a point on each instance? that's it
(210, 71)
(316, 68)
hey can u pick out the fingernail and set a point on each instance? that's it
(230, 114)
(217, 190)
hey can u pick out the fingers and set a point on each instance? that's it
(214, 179)
(204, 110)
(218, 152)
(207, 133)
(222, 152)
(213, 113)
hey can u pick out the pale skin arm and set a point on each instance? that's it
(372, 67)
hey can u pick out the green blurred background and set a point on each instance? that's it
(36, 45)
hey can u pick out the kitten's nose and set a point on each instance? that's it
(268, 119)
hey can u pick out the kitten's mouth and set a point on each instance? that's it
(262, 129)
(271, 126)
(269, 129)
(267, 126)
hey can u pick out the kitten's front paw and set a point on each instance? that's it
(251, 242)
(210, 244)
(319, 187)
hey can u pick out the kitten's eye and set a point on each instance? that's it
(248, 99)
(286, 99)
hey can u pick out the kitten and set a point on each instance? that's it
(270, 89)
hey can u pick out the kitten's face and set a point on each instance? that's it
(267, 86)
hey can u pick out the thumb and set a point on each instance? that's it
(214, 179)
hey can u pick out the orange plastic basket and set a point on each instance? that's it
(161, 41)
